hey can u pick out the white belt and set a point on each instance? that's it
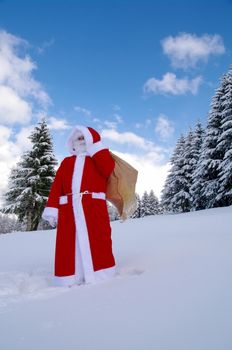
(96, 195)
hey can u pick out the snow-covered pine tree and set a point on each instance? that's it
(145, 207)
(153, 203)
(183, 198)
(112, 211)
(199, 133)
(31, 180)
(8, 223)
(224, 196)
(206, 176)
(137, 213)
(173, 184)
(198, 139)
(16, 188)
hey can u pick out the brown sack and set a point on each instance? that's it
(121, 187)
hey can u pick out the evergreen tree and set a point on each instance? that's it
(112, 211)
(30, 181)
(195, 187)
(177, 195)
(224, 196)
(201, 172)
(206, 184)
(153, 203)
(145, 207)
(137, 213)
(171, 193)
(8, 223)
(183, 198)
(199, 133)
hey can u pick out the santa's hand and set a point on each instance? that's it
(52, 220)
(94, 148)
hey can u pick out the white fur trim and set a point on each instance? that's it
(99, 276)
(105, 274)
(63, 200)
(79, 269)
(98, 195)
(64, 281)
(95, 147)
(82, 237)
(49, 211)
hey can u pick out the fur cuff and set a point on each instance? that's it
(95, 147)
(49, 211)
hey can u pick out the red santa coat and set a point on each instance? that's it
(77, 199)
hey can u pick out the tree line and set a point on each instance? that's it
(29, 185)
(200, 176)
(147, 204)
(201, 165)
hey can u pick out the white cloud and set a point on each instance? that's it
(164, 127)
(11, 148)
(57, 124)
(41, 49)
(170, 84)
(118, 118)
(22, 93)
(154, 153)
(82, 110)
(13, 145)
(125, 138)
(116, 108)
(110, 124)
(146, 124)
(186, 50)
(138, 125)
(96, 120)
(13, 108)
(22, 140)
(150, 175)
(113, 124)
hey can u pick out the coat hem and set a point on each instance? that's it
(99, 276)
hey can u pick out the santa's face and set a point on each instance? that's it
(79, 144)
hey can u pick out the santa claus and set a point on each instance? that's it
(77, 204)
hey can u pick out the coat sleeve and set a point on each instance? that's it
(102, 158)
(52, 205)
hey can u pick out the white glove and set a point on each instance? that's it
(52, 220)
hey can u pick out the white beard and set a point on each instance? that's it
(79, 147)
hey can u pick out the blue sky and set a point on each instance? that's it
(140, 72)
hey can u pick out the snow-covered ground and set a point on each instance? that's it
(173, 289)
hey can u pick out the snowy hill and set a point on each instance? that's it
(172, 291)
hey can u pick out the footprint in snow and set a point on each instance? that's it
(130, 272)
